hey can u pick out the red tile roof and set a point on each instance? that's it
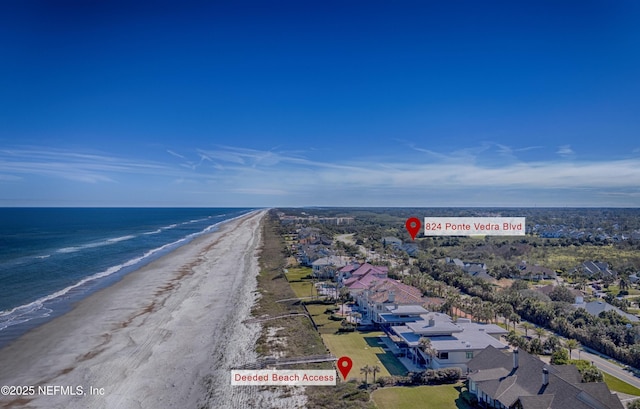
(402, 293)
(367, 268)
(364, 282)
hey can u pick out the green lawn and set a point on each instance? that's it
(614, 290)
(619, 385)
(363, 349)
(423, 397)
(325, 325)
(304, 288)
(297, 273)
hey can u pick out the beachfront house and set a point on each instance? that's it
(309, 253)
(327, 267)
(380, 294)
(452, 343)
(349, 274)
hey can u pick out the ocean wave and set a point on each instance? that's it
(197, 220)
(161, 229)
(32, 310)
(24, 314)
(39, 309)
(107, 242)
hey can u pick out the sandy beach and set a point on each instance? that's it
(163, 337)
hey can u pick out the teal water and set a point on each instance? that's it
(53, 257)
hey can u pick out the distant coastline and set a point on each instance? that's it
(157, 337)
(56, 257)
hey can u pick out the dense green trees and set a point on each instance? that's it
(607, 333)
(562, 294)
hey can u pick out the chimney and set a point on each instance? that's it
(545, 376)
(432, 322)
(392, 296)
(515, 359)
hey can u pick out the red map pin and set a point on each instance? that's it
(344, 366)
(413, 226)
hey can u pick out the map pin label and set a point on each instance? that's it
(344, 366)
(413, 226)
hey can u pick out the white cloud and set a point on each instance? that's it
(565, 150)
(83, 167)
(230, 172)
(177, 155)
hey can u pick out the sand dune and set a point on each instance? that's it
(163, 337)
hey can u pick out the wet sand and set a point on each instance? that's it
(163, 337)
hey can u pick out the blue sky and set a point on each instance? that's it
(304, 103)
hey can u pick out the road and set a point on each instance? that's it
(605, 364)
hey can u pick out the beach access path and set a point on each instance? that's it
(165, 336)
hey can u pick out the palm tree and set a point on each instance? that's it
(366, 370)
(486, 312)
(552, 343)
(527, 326)
(515, 319)
(539, 331)
(374, 371)
(505, 310)
(571, 344)
(426, 347)
(452, 302)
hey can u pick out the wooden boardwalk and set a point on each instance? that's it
(263, 319)
(275, 362)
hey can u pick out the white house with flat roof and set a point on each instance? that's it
(326, 267)
(401, 315)
(454, 343)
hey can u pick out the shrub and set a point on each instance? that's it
(535, 346)
(560, 357)
(436, 377)
(326, 301)
(634, 404)
(387, 381)
(471, 399)
(588, 371)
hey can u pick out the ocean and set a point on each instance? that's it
(51, 258)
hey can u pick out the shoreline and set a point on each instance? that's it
(59, 301)
(157, 338)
